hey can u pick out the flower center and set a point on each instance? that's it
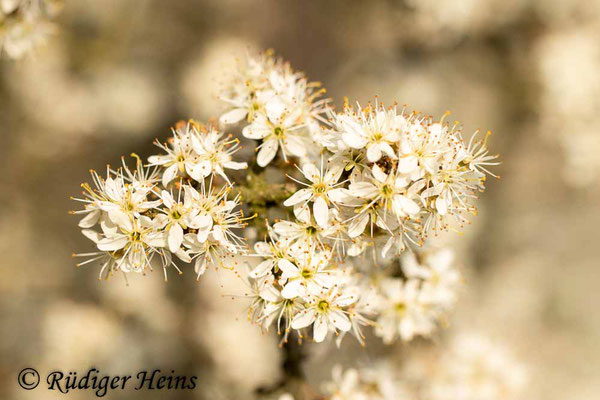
(400, 308)
(311, 230)
(307, 273)
(320, 188)
(278, 132)
(175, 214)
(323, 305)
(387, 190)
(135, 236)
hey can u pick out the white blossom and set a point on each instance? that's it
(196, 151)
(343, 253)
(326, 313)
(25, 25)
(279, 106)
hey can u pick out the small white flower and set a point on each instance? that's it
(277, 127)
(388, 189)
(403, 312)
(474, 367)
(24, 26)
(280, 105)
(197, 151)
(272, 252)
(439, 274)
(374, 383)
(180, 157)
(310, 273)
(326, 313)
(321, 190)
(305, 231)
(214, 153)
(374, 129)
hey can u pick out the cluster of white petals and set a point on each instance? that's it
(374, 383)
(299, 284)
(378, 183)
(367, 187)
(279, 107)
(405, 175)
(415, 304)
(170, 208)
(473, 367)
(25, 24)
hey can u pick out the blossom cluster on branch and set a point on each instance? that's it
(173, 207)
(25, 24)
(368, 186)
(472, 367)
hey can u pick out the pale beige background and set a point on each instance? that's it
(120, 72)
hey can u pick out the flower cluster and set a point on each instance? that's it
(368, 186)
(298, 285)
(472, 368)
(406, 175)
(170, 208)
(280, 107)
(414, 305)
(25, 24)
(375, 383)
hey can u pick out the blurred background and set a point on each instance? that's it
(117, 73)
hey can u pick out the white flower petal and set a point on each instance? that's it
(340, 320)
(363, 189)
(303, 318)
(354, 140)
(175, 238)
(407, 164)
(90, 219)
(167, 199)
(285, 228)
(288, 268)
(201, 170)
(200, 266)
(169, 174)
(357, 225)
(302, 213)
(379, 174)
(321, 212)
(404, 205)
(441, 205)
(233, 116)
(267, 152)
(120, 219)
(311, 172)
(113, 243)
(320, 328)
(293, 289)
(235, 165)
(300, 196)
(261, 269)
(257, 130)
(374, 152)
